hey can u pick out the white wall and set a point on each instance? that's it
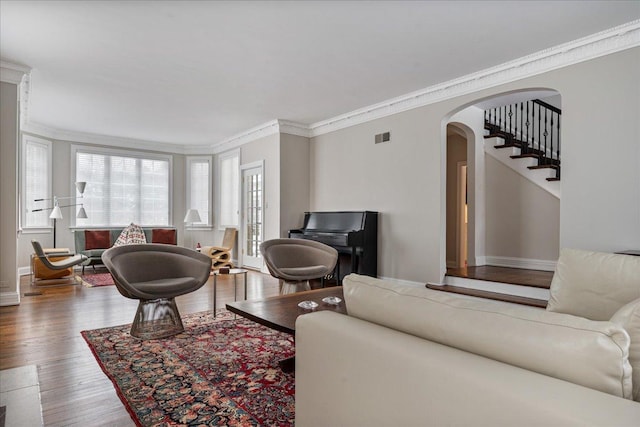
(600, 208)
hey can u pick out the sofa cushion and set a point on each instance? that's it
(163, 235)
(593, 284)
(94, 253)
(584, 352)
(96, 239)
(629, 318)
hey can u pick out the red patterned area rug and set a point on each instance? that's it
(221, 371)
(98, 279)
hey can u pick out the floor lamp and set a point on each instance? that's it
(56, 213)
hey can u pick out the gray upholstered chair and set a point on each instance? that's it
(296, 261)
(57, 265)
(155, 274)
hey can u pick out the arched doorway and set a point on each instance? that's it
(500, 223)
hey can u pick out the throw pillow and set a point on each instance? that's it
(593, 284)
(163, 235)
(96, 239)
(131, 235)
(629, 318)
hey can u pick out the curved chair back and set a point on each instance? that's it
(56, 265)
(298, 259)
(143, 263)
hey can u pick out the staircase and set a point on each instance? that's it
(514, 285)
(529, 133)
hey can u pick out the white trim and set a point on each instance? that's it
(9, 298)
(208, 223)
(111, 141)
(528, 263)
(501, 288)
(247, 136)
(258, 164)
(613, 40)
(12, 73)
(24, 271)
(622, 37)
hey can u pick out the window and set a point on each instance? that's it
(123, 187)
(36, 182)
(228, 191)
(199, 188)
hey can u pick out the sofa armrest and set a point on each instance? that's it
(351, 372)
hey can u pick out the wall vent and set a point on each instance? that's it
(383, 137)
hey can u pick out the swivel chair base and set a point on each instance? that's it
(155, 319)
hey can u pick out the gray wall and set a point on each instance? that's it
(600, 208)
(522, 219)
(294, 181)
(8, 193)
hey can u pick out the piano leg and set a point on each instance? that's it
(354, 260)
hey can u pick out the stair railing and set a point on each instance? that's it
(533, 126)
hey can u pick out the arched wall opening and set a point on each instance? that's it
(502, 228)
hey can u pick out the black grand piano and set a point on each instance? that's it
(354, 234)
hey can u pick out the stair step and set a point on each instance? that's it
(509, 275)
(526, 156)
(533, 302)
(543, 167)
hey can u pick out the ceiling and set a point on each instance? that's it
(199, 72)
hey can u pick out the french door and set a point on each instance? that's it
(252, 216)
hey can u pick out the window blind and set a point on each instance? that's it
(229, 182)
(121, 189)
(36, 182)
(199, 196)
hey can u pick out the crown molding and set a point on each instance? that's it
(12, 73)
(613, 40)
(96, 139)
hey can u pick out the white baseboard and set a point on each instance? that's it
(9, 298)
(528, 263)
(24, 271)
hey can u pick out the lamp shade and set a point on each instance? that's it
(192, 216)
(56, 213)
(82, 213)
(80, 186)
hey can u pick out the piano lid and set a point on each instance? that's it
(334, 221)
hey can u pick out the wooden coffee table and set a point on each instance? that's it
(280, 313)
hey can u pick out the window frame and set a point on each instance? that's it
(25, 204)
(75, 149)
(208, 222)
(222, 157)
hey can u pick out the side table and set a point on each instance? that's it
(232, 272)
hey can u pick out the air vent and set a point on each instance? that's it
(383, 137)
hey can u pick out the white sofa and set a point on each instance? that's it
(407, 356)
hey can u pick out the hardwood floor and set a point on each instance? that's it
(44, 330)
